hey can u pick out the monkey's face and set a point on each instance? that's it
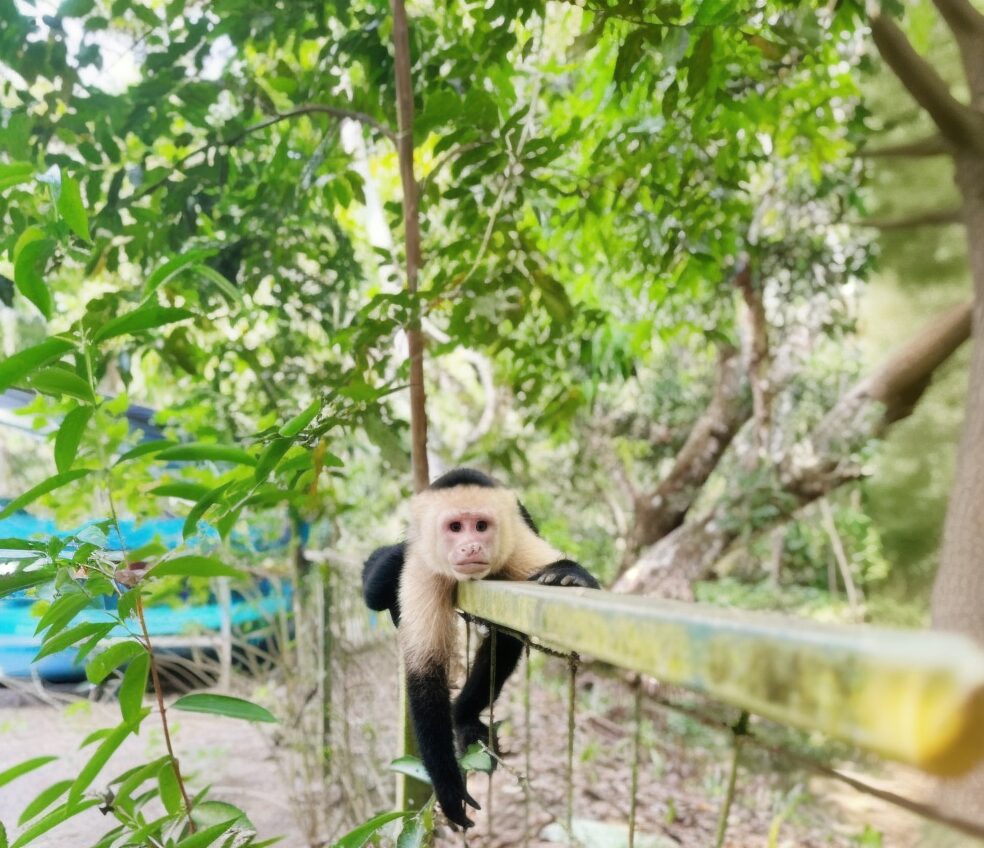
(469, 542)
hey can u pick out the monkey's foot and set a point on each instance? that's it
(453, 801)
(566, 572)
(468, 733)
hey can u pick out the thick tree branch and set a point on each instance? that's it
(758, 357)
(958, 123)
(934, 145)
(936, 218)
(814, 469)
(967, 26)
(961, 16)
(658, 513)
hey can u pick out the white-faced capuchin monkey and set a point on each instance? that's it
(464, 526)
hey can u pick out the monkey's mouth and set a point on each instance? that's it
(468, 569)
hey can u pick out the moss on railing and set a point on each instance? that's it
(908, 695)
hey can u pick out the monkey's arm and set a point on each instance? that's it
(535, 559)
(381, 579)
(480, 690)
(427, 638)
(430, 711)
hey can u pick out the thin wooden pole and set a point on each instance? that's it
(411, 794)
(411, 237)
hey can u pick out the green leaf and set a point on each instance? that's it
(185, 491)
(75, 8)
(206, 837)
(99, 667)
(62, 611)
(14, 173)
(53, 819)
(23, 768)
(133, 779)
(143, 449)
(44, 800)
(555, 298)
(173, 267)
(133, 687)
(301, 420)
(699, 65)
(412, 767)
(412, 835)
(714, 12)
(142, 835)
(272, 454)
(190, 526)
(101, 756)
(60, 381)
(69, 437)
(221, 283)
(71, 208)
(206, 451)
(359, 836)
(17, 367)
(59, 641)
(23, 545)
(208, 813)
(43, 488)
(224, 705)
(476, 759)
(170, 789)
(144, 318)
(10, 583)
(28, 271)
(193, 565)
(3, 836)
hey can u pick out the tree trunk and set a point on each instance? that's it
(958, 593)
(688, 553)
(657, 513)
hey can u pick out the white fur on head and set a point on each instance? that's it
(427, 512)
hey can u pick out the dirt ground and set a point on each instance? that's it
(681, 779)
(232, 756)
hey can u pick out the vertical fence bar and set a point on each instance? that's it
(492, 651)
(527, 744)
(737, 734)
(634, 789)
(571, 681)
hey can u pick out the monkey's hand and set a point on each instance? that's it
(565, 572)
(452, 796)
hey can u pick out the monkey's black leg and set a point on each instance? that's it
(430, 711)
(480, 691)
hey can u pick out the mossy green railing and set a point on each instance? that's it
(912, 696)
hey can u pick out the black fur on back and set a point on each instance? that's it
(464, 477)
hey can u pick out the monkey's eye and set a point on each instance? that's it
(455, 526)
(482, 526)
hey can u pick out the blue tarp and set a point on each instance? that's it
(18, 644)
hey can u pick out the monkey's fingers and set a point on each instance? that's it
(472, 802)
